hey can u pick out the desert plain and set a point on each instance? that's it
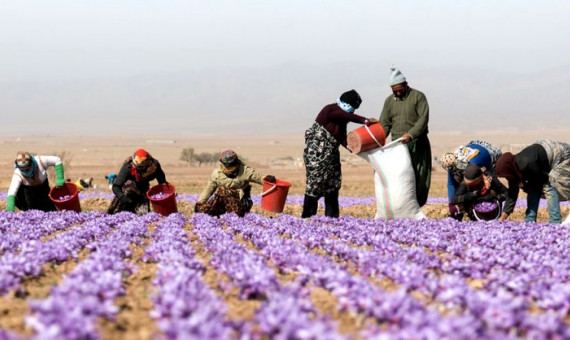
(95, 156)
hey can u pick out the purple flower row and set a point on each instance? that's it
(528, 259)
(88, 292)
(184, 306)
(499, 312)
(411, 267)
(34, 254)
(516, 267)
(286, 311)
(17, 230)
(400, 313)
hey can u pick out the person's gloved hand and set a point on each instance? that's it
(11, 203)
(270, 179)
(197, 207)
(60, 179)
(124, 199)
(453, 209)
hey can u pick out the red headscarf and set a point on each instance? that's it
(142, 164)
(507, 167)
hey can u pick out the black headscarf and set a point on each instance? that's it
(351, 97)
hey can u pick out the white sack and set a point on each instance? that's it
(567, 220)
(394, 182)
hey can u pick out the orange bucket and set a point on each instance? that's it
(274, 195)
(165, 205)
(366, 138)
(65, 197)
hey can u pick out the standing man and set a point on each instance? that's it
(406, 114)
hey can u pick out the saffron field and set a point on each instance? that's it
(67, 275)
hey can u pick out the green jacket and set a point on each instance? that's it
(218, 179)
(410, 114)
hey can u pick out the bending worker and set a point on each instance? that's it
(476, 152)
(29, 188)
(542, 168)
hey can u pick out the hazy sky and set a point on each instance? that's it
(198, 66)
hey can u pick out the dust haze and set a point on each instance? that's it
(251, 67)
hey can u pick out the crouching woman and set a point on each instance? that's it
(478, 185)
(228, 188)
(133, 181)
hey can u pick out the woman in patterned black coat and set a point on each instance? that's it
(321, 154)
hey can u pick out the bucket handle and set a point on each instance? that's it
(369, 153)
(392, 142)
(268, 191)
(372, 135)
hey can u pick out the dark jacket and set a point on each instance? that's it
(142, 184)
(334, 120)
(463, 196)
(532, 162)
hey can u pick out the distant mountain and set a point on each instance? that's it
(281, 99)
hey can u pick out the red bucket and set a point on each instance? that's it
(366, 138)
(65, 197)
(274, 195)
(165, 205)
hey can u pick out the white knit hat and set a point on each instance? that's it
(396, 77)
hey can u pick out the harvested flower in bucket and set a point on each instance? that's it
(485, 207)
(159, 196)
(63, 198)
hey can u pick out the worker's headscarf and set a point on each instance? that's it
(230, 163)
(507, 167)
(448, 161)
(473, 176)
(349, 101)
(26, 163)
(143, 165)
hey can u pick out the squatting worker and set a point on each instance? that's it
(476, 152)
(322, 156)
(228, 188)
(29, 188)
(406, 114)
(133, 181)
(478, 185)
(540, 168)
